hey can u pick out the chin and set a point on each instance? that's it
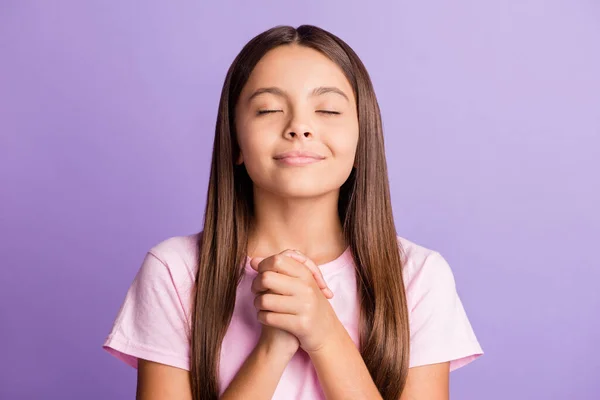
(301, 185)
(305, 189)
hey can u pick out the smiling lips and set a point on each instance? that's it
(298, 157)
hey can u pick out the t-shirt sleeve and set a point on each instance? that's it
(440, 329)
(151, 323)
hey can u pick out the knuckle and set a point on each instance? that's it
(265, 278)
(278, 260)
(264, 301)
(268, 317)
(307, 306)
(307, 290)
(303, 324)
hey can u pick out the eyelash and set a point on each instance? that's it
(262, 112)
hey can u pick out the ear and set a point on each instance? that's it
(240, 159)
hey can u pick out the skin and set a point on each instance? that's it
(296, 208)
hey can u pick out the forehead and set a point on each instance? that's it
(296, 69)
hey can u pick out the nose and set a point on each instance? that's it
(292, 134)
(298, 127)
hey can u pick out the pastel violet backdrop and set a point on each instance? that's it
(491, 113)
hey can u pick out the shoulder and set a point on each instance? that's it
(178, 254)
(424, 271)
(418, 259)
(154, 321)
(171, 264)
(439, 327)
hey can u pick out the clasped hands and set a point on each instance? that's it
(292, 295)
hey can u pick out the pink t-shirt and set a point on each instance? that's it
(154, 320)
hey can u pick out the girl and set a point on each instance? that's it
(298, 286)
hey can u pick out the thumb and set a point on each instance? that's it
(255, 261)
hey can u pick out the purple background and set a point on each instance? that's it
(492, 123)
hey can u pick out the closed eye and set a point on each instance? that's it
(329, 112)
(260, 112)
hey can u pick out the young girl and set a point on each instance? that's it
(298, 286)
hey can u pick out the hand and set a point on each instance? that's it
(279, 339)
(291, 296)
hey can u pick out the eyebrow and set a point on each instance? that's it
(316, 92)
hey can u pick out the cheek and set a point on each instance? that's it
(257, 146)
(255, 140)
(343, 141)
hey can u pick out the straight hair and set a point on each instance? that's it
(364, 209)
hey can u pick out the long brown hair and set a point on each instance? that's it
(364, 208)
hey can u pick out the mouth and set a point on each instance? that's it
(298, 161)
(299, 154)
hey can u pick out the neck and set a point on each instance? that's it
(309, 225)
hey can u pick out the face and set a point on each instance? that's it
(297, 99)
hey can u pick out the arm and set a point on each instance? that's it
(342, 371)
(157, 381)
(256, 380)
(427, 382)
(343, 375)
(258, 377)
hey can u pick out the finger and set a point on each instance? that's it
(255, 261)
(314, 269)
(271, 263)
(276, 303)
(281, 263)
(275, 282)
(276, 320)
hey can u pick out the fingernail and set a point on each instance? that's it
(329, 291)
